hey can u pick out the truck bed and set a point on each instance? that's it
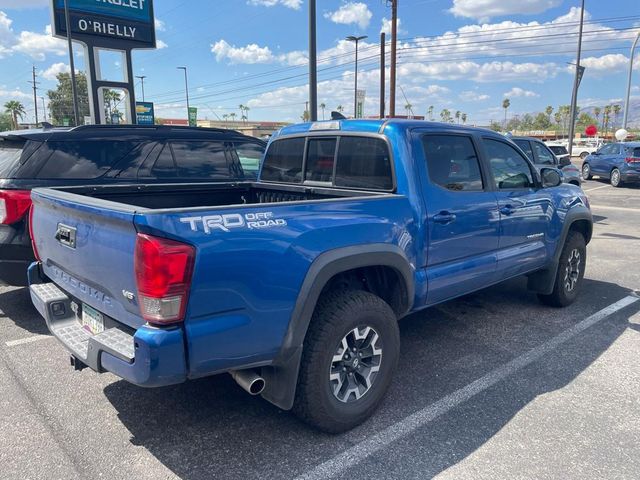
(162, 197)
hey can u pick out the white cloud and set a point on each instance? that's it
(386, 27)
(471, 96)
(250, 54)
(516, 92)
(484, 9)
(606, 63)
(160, 44)
(254, 53)
(14, 94)
(480, 72)
(294, 4)
(160, 25)
(38, 45)
(7, 38)
(351, 13)
(51, 72)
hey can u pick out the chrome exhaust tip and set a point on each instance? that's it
(249, 380)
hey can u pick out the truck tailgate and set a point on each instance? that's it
(87, 247)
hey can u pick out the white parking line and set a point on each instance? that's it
(22, 341)
(597, 188)
(619, 209)
(373, 444)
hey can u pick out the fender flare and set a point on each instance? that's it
(543, 280)
(281, 377)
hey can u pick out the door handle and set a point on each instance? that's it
(507, 210)
(444, 218)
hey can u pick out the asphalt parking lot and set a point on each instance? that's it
(493, 385)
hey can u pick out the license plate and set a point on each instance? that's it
(92, 320)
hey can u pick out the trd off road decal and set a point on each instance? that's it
(225, 223)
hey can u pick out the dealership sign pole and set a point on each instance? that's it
(106, 27)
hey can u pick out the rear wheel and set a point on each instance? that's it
(586, 171)
(584, 155)
(616, 178)
(568, 281)
(350, 353)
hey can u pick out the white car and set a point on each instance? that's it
(581, 148)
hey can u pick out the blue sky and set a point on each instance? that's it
(462, 55)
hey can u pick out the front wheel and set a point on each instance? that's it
(350, 353)
(586, 172)
(616, 178)
(568, 281)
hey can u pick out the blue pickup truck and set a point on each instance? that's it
(295, 283)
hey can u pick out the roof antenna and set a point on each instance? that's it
(337, 116)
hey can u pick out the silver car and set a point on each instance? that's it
(542, 156)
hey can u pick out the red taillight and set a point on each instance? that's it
(632, 159)
(33, 240)
(14, 205)
(163, 271)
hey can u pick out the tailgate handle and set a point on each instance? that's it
(66, 235)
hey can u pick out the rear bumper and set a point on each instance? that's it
(148, 357)
(630, 176)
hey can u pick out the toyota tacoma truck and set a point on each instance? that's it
(294, 283)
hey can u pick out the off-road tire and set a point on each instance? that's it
(337, 314)
(562, 295)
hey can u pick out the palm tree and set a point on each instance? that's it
(430, 112)
(457, 115)
(246, 113)
(408, 108)
(15, 109)
(225, 116)
(464, 118)
(340, 108)
(322, 107)
(606, 118)
(549, 111)
(506, 103)
(445, 115)
(241, 107)
(616, 111)
(558, 118)
(597, 111)
(233, 116)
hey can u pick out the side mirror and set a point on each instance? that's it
(564, 161)
(551, 177)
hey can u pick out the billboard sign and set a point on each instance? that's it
(193, 116)
(145, 114)
(107, 23)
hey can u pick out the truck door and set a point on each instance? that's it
(525, 209)
(462, 216)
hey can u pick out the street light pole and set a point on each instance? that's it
(313, 63)
(74, 89)
(355, 39)
(186, 88)
(142, 77)
(626, 103)
(576, 85)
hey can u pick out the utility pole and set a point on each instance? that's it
(142, 77)
(74, 89)
(35, 92)
(352, 38)
(186, 89)
(44, 108)
(394, 43)
(383, 54)
(576, 85)
(313, 63)
(626, 103)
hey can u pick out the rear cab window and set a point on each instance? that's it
(14, 154)
(339, 161)
(249, 155)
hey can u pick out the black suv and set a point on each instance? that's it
(97, 155)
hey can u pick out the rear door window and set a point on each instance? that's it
(250, 155)
(633, 151)
(525, 146)
(452, 162)
(201, 160)
(509, 168)
(283, 161)
(364, 162)
(545, 157)
(83, 159)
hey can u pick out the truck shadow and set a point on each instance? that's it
(210, 428)
(16, 305)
